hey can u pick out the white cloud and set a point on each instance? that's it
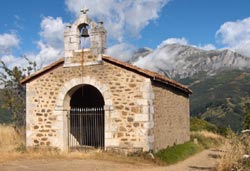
(12, 61)
(46, 55)
(50, 44)
(236, 35)
(184, 41)
(52, 30)
(243, 48)
(181, 41)
(121, 18)
(207, 47)
(162, 57)
(8, 42)
(122, 51)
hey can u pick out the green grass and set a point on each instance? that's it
(200, 140)
(179, 152)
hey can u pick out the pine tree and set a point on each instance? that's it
(12, 92)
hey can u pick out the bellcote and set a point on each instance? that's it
(74, 51)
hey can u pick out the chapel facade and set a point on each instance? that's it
(88, 99)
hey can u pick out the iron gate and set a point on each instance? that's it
(86, 128)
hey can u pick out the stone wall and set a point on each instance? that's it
(171, 117)
(128, 105)
(82, 57)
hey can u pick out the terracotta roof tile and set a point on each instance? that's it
(43, 71)
(153, 75)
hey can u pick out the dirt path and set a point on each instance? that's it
(206, 160)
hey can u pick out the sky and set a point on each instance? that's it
(34, 28)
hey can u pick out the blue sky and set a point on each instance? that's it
(35, 28)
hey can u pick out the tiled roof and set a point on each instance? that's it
(43, 71)
(152, 75)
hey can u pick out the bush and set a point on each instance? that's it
(21, 148)
(225, 131)
(197, 124)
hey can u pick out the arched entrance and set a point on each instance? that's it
(86, 124)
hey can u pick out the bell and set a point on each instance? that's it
(84, 32)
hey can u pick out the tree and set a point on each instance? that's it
(246, 122)
(12, 92)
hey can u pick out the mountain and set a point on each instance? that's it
(181, 61)
(220, 99)
(141, 52)
(220, 80)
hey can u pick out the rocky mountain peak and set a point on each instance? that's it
(181, 61)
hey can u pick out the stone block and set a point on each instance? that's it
(141, 117)
(148, 125)
(115, 114)
(108, 107)
(108, 101)
(150, 139)
(74, 40)
(112, 142)
(146, 109)
(68, 54)
(86, 79)
(151, 109)
(108, 135)
(142, 102)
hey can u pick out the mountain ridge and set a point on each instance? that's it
(181, 61)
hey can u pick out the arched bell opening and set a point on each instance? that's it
(84, 36)
(86, 118)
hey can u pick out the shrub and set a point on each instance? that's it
(197, 124)
(225, 131)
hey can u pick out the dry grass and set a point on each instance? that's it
(208, 139)
(46, 153)
(207, 134)
(12, 147)
(233, 152)
(10, 138)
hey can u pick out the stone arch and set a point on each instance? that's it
(63, 97)
(63, 105)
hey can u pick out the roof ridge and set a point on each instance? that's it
(155, 76)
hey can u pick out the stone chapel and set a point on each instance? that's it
(88, 99)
